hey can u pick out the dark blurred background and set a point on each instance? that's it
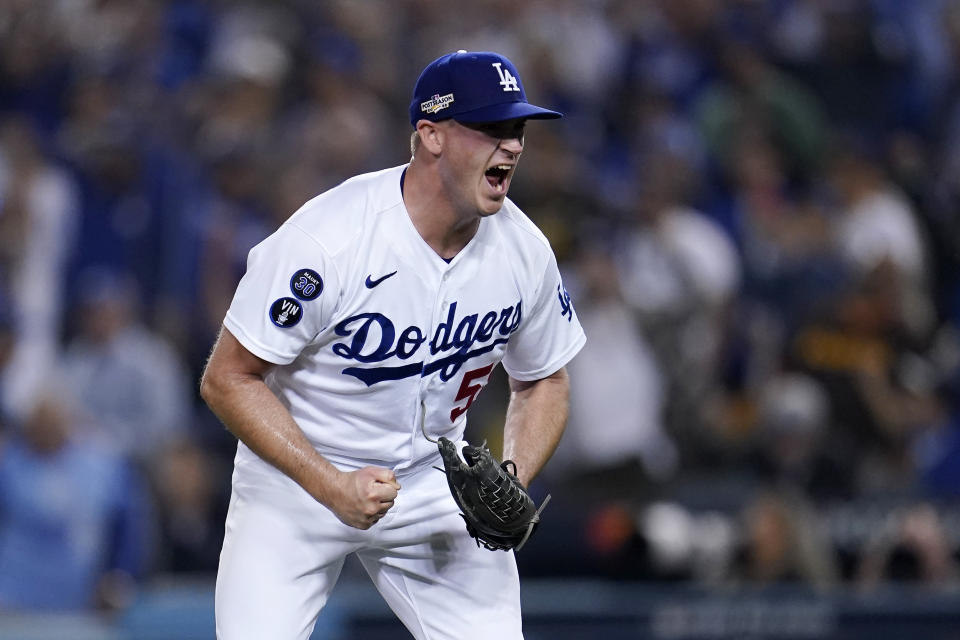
(755, 207)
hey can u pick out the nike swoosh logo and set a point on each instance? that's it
(371, 283)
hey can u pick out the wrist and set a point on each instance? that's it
(324, 482)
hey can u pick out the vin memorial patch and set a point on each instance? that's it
(286, 312)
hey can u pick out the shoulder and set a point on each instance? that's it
(519, 231)
(338, 216)
(523, 249)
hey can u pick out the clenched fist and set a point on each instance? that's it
(364, 496)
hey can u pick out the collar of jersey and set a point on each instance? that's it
(419, 247)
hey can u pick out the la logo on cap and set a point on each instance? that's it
(507, 80)
(480, 95)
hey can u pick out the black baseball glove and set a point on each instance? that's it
(499, 513)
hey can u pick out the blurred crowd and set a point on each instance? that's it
(756, 207)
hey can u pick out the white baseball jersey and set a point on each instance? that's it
(382, 335)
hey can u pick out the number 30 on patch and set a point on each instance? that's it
(306, 284)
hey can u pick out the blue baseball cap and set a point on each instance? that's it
(472, 86)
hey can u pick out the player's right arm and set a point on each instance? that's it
(233, 387)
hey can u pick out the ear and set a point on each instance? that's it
(432, 136)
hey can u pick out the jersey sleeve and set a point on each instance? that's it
(286, 297)
(550, 333)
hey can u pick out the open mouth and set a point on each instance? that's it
(497, 176)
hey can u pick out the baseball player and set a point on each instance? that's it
(361, 333)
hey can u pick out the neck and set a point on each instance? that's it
(434, 214)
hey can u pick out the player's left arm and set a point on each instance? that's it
(536, 418)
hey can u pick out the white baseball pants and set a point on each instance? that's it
(283, 551)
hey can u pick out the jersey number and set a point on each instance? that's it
(469, 392)
(305, 287)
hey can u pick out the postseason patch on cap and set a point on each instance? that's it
(306, 284)
(436, 103)
(286, 312)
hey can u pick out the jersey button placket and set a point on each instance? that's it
(441, 305)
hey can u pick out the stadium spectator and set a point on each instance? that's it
(877, 229)
(75, 520)
(914, 549)
(680, 274)
(620, 386)
(781, 544)
(131, 385)
(191, 508)
(798, 447)
(39, 213)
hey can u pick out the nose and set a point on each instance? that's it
(512, 145)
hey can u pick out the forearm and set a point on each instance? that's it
(251, 411)
(234, 389)
(536, 418)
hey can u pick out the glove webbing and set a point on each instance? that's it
(508, 494)
(502, 496)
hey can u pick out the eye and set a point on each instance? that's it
(517, 132)
(507, 129)
(494, 130)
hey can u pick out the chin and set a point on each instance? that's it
(490, 209)
(489, 206)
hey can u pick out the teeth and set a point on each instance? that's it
(503, 167)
